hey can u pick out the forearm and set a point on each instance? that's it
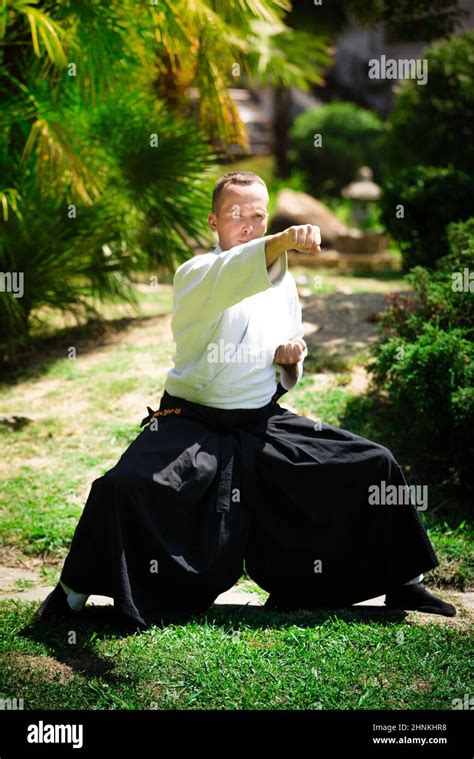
(289, 377)
(275, 245)
(291, 370)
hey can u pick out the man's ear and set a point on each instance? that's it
(211, 218)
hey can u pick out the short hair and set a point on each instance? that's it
(233, 177)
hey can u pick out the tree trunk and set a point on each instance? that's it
(281, 125)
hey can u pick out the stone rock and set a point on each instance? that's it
(299, 208)
(357, 241)
(333, 259)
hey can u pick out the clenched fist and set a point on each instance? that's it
(290, 353)
(305, 238)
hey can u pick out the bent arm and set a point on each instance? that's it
(207, 284)
(291, 375)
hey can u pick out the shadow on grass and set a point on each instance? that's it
(105, 622)
(254, 616)
(34, 360)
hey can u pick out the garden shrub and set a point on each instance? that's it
(433, 124)
(417, 205)
(425, 359)
(350, 138)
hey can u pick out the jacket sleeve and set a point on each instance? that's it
(296, 331)
(207, 284)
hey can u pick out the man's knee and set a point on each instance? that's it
(386, 459)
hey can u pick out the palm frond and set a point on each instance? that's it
(44, 30)
(240, 13)
(107, 38)
(285, 57)
(10, 198)
(58, 159)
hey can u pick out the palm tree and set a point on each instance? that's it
(103, 169)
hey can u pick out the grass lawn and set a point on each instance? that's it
(250, 659)
(81, 414)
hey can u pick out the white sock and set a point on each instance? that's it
(76, 601)
(418, 578)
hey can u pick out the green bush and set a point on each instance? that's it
(461, 244)
(433, 124)
(435, 298)
(437, 361)
(429, 383)
(430, 198)
(350, 138)
(425, 359)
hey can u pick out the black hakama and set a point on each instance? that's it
(202, 490)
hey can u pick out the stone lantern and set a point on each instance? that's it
(362, 192)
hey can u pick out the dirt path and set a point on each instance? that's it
(342, 324)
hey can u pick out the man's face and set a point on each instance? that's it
(242, 215)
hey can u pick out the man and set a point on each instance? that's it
(222, 474)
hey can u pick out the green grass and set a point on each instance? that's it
(249, 659)
(327, 405)
(149, 302)
(319, 361)
(40, 519)
(23, 584)
(39, 508)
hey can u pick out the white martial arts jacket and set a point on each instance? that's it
(229, 316)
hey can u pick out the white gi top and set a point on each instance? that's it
(229, 316)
